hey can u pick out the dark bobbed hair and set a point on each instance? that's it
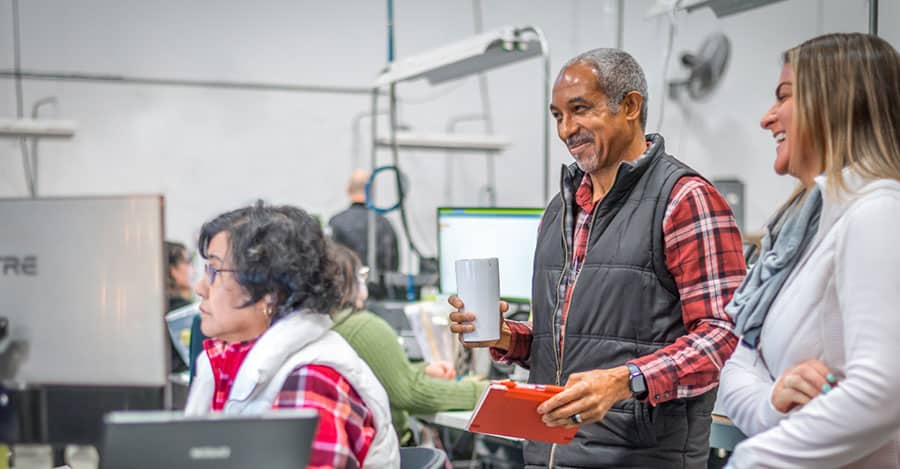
(175, 254)
(346, 265)
(277, 250)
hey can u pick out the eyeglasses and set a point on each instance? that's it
(362, 274)
(211, 272)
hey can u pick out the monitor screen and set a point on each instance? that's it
(82, 286)
(509, 234)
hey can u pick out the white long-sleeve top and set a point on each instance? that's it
(841, 305)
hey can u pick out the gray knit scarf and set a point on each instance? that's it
(778, 257)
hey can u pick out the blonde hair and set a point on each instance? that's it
(847, 104)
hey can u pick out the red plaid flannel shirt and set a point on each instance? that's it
(346, 426)
(704, 253)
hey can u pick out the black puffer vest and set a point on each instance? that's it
(625, 305)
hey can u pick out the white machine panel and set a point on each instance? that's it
(82, 287)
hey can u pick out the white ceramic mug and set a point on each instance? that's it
(478, 285)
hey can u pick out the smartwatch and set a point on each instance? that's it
(636, 382)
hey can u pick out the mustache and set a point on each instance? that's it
(578, 139)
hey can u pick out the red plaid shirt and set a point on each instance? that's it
(346, 426)
(704, 253)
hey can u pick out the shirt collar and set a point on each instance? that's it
(217, 348)
(584, 195)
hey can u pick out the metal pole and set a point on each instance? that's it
(620, 24)
(546, 121)
(370, 221)
(20, 105)
(488, 115)
(873, 17)
(545, 50)
(371, 232)
(17, 60)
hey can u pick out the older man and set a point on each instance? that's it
(635, 260)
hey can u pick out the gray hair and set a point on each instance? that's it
(617, 74)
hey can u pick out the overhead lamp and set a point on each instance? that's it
(721, 8)
(471, 55)
(448, 142)
(43, 128)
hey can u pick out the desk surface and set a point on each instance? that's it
(457, 419)
(722, 435)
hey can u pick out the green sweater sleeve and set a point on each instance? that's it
(407, 386)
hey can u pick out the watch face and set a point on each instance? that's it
(637, 385)
(636, 381)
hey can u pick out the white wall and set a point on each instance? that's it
(721, 136)
(210, 150)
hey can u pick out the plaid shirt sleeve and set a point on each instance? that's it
(705, 256)
(346, 426)
(519, 346)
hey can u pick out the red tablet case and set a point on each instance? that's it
(510, 409)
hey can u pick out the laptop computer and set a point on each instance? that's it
(151, 440)
(178, 322)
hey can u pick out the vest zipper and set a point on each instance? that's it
(574, 284)
(562, 275)
(558, 354)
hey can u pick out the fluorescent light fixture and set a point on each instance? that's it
(44, 128)
(448, 142)
(472, 55)
(721, 8)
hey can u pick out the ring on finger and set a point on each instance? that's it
(576, 419)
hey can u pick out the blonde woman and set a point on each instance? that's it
(815, 382)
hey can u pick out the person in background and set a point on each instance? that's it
(178, 290)
(178, 275)
(350, 227)
(636, 258)
(411, 389)
(266, 298)
(814, 382)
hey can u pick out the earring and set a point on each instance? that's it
(269, 311)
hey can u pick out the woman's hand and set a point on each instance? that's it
(801, 384)
(440, 370)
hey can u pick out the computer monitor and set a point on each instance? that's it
(151, 440)
(509, 234)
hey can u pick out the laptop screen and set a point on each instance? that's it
(151, 440)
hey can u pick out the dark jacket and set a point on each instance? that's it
(350, 228)
(624, 305)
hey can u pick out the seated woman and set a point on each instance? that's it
(411, 389)
(266, 297)
(814, 382)
(178, 289)
(178, 275)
